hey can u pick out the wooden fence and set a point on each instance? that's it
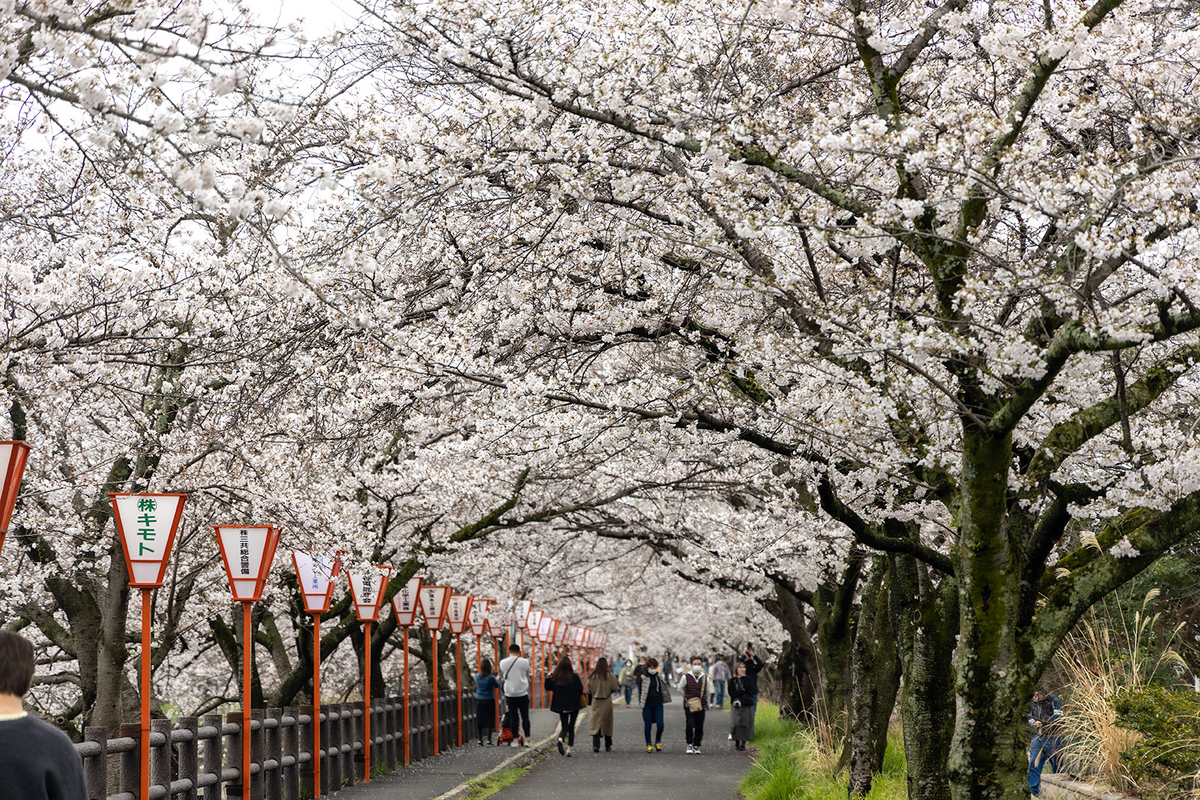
(200, 757)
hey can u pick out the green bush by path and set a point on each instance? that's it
(789, 765)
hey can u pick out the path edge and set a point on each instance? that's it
(526, 756)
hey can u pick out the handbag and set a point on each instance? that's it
(666, 689)
(695, 704)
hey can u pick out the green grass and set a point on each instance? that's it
(501, 780)
(789, 765)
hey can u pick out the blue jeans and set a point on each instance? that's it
(628, 694)
(720, 687)
(651, 715)
(1043, 748)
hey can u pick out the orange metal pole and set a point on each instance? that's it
(407, 727)
(146, 693)
(247, 643)
(458, 681)
(367, 707)
(316, 705)
(434, 688)
(496, 642)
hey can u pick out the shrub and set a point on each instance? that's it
(1165, 760)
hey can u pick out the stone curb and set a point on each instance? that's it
(1066, 787)
(527, 756)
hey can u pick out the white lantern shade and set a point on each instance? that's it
(146, 524)
(533, 620)
(458, 613)
(316, 576)
(479, 616)
(521, 612)
(434, 602)
(247, 551)
(13, 456)
(406, 603)
(366, 589)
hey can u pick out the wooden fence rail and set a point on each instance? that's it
(199, 758)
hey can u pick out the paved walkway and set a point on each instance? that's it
(630, 773)
(435, 776)
(627, 773)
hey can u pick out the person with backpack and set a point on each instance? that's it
(658, 692)
(693, 687)
(567, 691)
(1046, 717)
(515, 678)
(485, 700)
(601, 685)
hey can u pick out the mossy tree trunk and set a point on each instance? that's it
(875, 680)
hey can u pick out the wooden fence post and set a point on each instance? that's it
(290, 747)
(160, 754)
(189, 763)
(131, 760)
(211, 751)
(272, 751)
(233, 755)
(306, 746)
(95, 769)
(256, 754)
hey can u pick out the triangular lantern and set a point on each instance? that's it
(546, 629)
(13, 456)
(248, 551)
(521, 612)
(406, 603)
(316, 576)
(146, 524)
(479, 616)
(366, 590)
(434, 602)
(579, 634)
(458, 613)
(560, 635)
(533, 620)
(498, 618)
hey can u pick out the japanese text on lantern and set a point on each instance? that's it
(146, 522)
(244, 550)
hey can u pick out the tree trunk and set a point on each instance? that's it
(987, 756)
(875, 681)
(833, 607)
(926, 618)
(798, 666)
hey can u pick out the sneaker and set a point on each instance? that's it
(696, 750)
(561, 751)
(690, 750)
(658, 747)
(649, 748)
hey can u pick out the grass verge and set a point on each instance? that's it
(487, 787)
(789, 765)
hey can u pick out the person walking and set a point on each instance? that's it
(601, 685)
(626, 678)
(1046, 717)
(693, 688)
(567, 691)
(718, 675)
(485, 700)
(754, 665)
(741, 718)
(639, 674)
(658, 692)
(515, 679)
(37, 760)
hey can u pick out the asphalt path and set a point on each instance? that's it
(630, 773)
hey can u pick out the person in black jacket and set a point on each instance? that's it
(754, 665)
(564, 682)
(37, 761)
(741, 718)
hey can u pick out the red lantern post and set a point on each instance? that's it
(405, 606)
(458, 617)
(316, 577)
(434, 602)
(531, 625)
(146, 524)
(247, 551)
(366, 589)
(13, 456)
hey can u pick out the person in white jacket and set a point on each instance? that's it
(515, 677)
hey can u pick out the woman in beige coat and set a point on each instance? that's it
(602, 684)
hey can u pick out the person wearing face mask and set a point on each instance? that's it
(693, 686)
(658, 692)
